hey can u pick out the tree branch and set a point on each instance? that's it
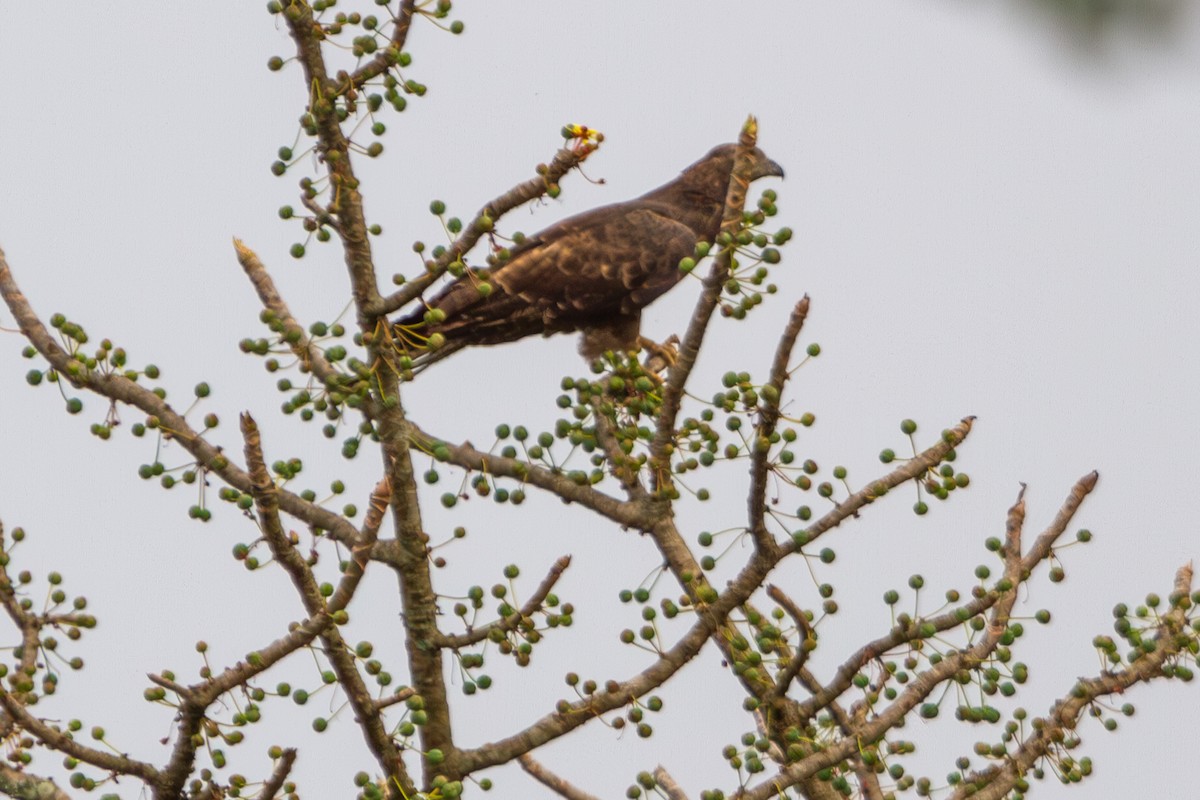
(386, 58)
(560, 786)
(55, 739)
(785, 676)
(366, 713)
(620, 465)
(27, 786)
(712, 613)
(710, 294)
(627, 514)
(311, 356)
(120, 389)
(27, 623)
(283, 768)
(667, 783)
(868, 780)
(902, 634)
(570, 716)
(768, 417)
(1015, 573)
(513, 621)
(998, 780)
(913, 468)
(1044, 544)
(333, 148)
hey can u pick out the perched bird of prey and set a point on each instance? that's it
(593, 272)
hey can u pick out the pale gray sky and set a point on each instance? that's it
(995, 214)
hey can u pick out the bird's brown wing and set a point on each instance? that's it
(612, 260)
(592, 272)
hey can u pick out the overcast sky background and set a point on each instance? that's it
(995, 208)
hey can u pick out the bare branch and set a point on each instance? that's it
(768, 416)
(913, 468)
(55, 739)
(366, 712)
(554, 783)
(408, 554)
(333, 148)
(377, 508)
(195, 701)
(120, 389)
(631, 515)
(926, 682)
(667, 783)
(283, 768)
(786, 675)
(266, 502)
(902, 634)
(19, 784)
(387, 56)
(998, 780)
(570, 716)
(183, 755)
(399, 696)
(511, 622)
(310, 355)
(1045, 541)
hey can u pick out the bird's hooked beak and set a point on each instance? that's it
(762, 166)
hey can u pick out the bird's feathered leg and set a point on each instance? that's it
(619, 334)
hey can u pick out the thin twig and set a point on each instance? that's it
(710, 294)
(336, 650)
(21, 784)
(396, 697)
(311, 356)
(55, 739)
(924, 684)
(383, 60)
(667, 783)
(554, 783)
(625, 513)
(513, 621)
(283, 768)
(768, 417)
(998, 780)
(118, 388)
(784, 678)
